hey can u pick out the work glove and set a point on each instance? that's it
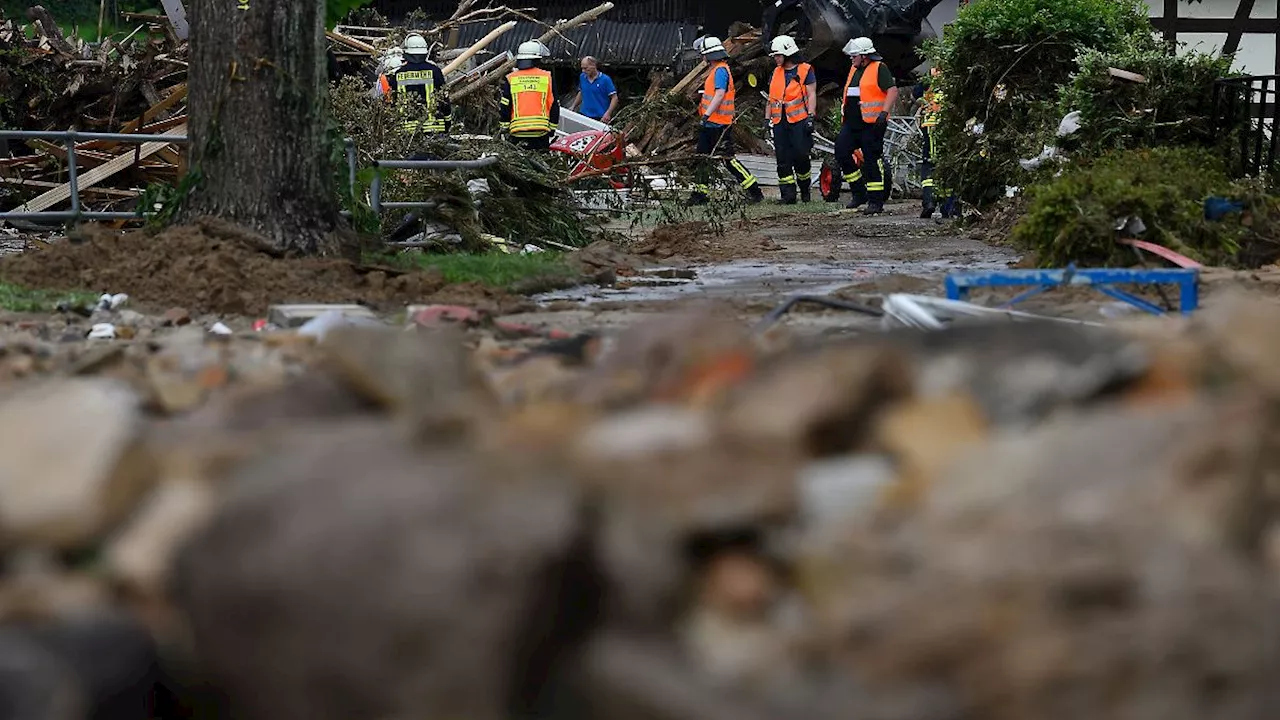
(883, 119)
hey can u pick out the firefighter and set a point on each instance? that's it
(793, 100)
(715, 133)
(530, 112)
(424, 80)
(877, 93)
(392, 60)
(931, 196)
(849, 141)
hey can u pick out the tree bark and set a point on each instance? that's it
(259, 122)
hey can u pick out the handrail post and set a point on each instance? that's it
(73, 176)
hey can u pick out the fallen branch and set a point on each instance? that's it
(569, 24)
(481, 44)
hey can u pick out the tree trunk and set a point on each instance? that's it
(259, 122)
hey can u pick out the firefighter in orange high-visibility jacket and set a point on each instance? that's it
(877, 93)
(423, 80)
(530, 112)
(793, 99)
(716, 113)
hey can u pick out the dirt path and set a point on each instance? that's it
(759, 264)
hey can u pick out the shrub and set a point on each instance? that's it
(1004, 63)
(1072, 218)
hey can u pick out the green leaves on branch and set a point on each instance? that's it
(336, 10)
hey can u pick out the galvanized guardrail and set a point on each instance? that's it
(71, 137)
(375, 188)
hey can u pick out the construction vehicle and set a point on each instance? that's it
(822, 27)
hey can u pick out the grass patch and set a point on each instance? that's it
(492, 269)
(19, 299)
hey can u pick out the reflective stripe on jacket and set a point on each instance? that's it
(723, 114)
(871, 97)
(419, 81)
(531, 100)
(789, 98)
(932, 107)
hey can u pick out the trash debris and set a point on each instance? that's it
(221, 329)
(102, 331)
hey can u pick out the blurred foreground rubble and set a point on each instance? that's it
(998, 521)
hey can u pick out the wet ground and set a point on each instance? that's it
(808, 253)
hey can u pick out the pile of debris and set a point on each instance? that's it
(135, 85)
(683, 520)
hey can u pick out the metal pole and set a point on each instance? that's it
(351, 167)
(375, 191)
(436, 164)
(73, 177)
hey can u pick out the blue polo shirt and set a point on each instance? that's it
(595, 95)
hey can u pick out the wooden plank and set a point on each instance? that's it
(351, 42)
(45, 184)
(98, 174)
(1126, 75)
(179, 92)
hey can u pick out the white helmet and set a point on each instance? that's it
(415, 44)
(532, 50)
(859, 46)
(707, 45)
(392, 61)
(783, 45)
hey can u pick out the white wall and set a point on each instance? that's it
(1257, 53)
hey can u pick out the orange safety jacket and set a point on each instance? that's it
(531, 101)
(723, 114)
(871, 97)
(790, 98)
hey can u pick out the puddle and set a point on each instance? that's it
(754, 278)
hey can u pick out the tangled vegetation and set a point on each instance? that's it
(1182, 196)
(524, 198)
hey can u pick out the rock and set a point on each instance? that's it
(69, 463)
(1057, 561)
(34, 683)
(425, 376)
(347, 575)
(1239, 331)
(926, 436)
(131, 318)
(140, 556)
(177, 316)
(820, 403)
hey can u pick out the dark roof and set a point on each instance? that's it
(620, 44)
(623, 10)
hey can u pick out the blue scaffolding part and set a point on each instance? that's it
(1101, 279)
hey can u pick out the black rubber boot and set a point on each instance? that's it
(859, 198)
(804, 192)
(788, 193)
(927, 204)
(755, 195)
(874, 207)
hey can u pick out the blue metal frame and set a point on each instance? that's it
(958, 284)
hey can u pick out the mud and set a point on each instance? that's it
(210, 272)
(698, 242)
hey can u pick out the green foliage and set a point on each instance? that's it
(1004, 62)
(162, 203)
(19, 299)
(336, 10)
(1173, 107)
(1073, 217)
(494, 269)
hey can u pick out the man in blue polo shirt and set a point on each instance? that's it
(596, 95)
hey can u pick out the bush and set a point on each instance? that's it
(1073, 217)
(1174, 106)
(1004, 63)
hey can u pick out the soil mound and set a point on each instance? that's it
(697, 241)
(209, 269)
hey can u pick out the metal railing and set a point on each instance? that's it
(69, 138)
(1247, 108)
(375, 188)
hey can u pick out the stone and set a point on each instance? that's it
(925, 436)
(292, 316)
(404, 578)
(427, 377)
(177, 316)
(140, 555)
(70, 465)
(35, 683)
